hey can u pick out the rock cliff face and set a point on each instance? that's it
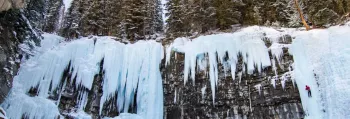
(248, 96)
(15, 29)
(8, 4)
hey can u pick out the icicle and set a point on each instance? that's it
(168, 54)
(175, 95)
(291, 74)
(187, 67)
(240, 76)
(193, 69)
(228, 113)
(2, 113)
(61, 91)
(213, 73)
(274, 68)
(82, 99)
(273, 81)
(233, 70)
(277, 52)
(246, 42)
(258, 87)
(203, 92)
(283, 81)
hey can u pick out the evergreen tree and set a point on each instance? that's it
(113, 17)
(52, 15)
(227, 13)
(153, 21)
(134, 17)
(208, 20)
(36, 11)
(71, 22)
(89, 19)
(175, 23)
(158, 17)
(126, 19)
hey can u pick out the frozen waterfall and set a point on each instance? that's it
(128, 70)
(131, 72)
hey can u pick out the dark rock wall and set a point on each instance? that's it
(234, 99)
(18, 26)
(14, 30)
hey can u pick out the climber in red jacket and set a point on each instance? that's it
(307, 88)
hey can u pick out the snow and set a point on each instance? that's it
(29, 25)
(67, 4)
(322, 60)
(47, 42)
(83, 115)
(80, 115)
(126, 116)
(128, 68)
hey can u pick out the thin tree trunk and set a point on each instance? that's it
(301, 15)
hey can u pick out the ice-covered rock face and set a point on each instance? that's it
(253, 73)
(260, 86)
(97, 75)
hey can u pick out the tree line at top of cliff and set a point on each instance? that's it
(141, 19)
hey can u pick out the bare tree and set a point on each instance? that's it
(301, 15)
